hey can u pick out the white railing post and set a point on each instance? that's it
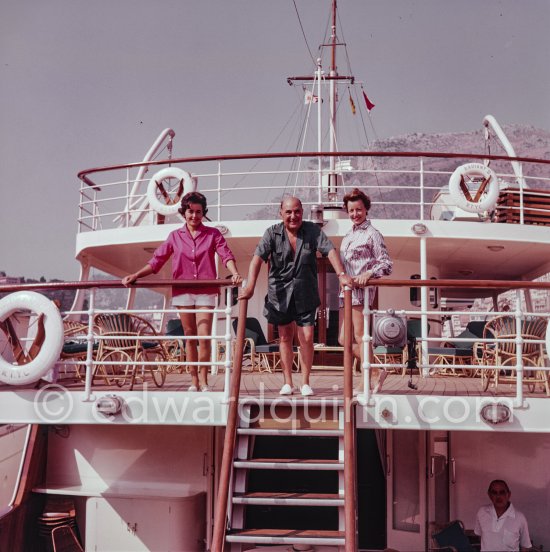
(421, 188)
(219, 191)
(367, 340)
(228, 356)
(214, 340)
(90, 350)
(519, 355)
(127, 214)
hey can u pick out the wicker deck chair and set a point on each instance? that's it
(501, 353)
(121, 340)
(65, 540)
(264, 356)
(75, 347)
(453, 353)
(175, 347)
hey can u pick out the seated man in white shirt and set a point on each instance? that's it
(500, 525)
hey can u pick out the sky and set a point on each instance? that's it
(91, 83)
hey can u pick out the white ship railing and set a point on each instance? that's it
(517, 375)
(251, 186)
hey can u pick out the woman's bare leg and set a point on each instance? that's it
(204, 327)
(376, 376)
(189, 325)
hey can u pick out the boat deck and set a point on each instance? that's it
(329, 384)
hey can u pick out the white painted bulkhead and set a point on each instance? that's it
(135, 488)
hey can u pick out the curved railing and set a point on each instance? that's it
(408, 185)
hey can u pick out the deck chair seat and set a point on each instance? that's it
(149, 344)
(263, 356)
(450, 351)
(456, 351)
(388, 355)
(77, 347)
(175, 347)
(271, 348)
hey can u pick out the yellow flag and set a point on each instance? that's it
(352, 104)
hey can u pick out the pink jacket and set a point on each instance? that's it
(192, 259)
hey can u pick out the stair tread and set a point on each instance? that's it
(293, 533)
(290, 431)
(319, 496)
(289, 461)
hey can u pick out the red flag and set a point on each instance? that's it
(370, 105)
(352, 104)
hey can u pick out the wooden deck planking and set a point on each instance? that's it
(327, 384)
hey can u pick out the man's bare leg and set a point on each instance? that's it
(286, 335)
(305, 338)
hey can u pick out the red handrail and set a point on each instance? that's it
(220, 514)
(83, 175)
(383, 282)
(350, 490)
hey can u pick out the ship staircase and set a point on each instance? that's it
(283, 456)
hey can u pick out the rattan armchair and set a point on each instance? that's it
(499, 353)
(126, 342)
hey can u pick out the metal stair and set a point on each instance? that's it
(241, 497)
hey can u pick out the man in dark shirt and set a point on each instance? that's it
(292, 290)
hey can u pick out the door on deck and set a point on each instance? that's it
(406, 490)
(438, 478)
(327, 323)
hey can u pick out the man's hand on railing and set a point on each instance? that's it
(246, 292)
(345, 280)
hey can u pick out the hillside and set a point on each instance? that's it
(528, 141)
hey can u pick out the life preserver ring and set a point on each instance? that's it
(48, 355)
(489, 196)
(170, 208)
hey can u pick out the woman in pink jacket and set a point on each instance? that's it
(193, 248)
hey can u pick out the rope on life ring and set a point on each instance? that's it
(48, 355)
(171, 203)
(486, 196)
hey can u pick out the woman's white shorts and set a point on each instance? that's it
(195, 300)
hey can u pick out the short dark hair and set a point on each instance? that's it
(500, 482)
(357, 195)
(193, 197)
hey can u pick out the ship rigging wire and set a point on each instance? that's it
(303, 32)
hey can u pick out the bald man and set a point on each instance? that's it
(292, 293)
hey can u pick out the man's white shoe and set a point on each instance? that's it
(306, 390)
(286, 389)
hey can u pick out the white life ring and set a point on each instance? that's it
(48, 355)
(161, 207)
(489, 197)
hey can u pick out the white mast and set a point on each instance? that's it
(332, 184)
